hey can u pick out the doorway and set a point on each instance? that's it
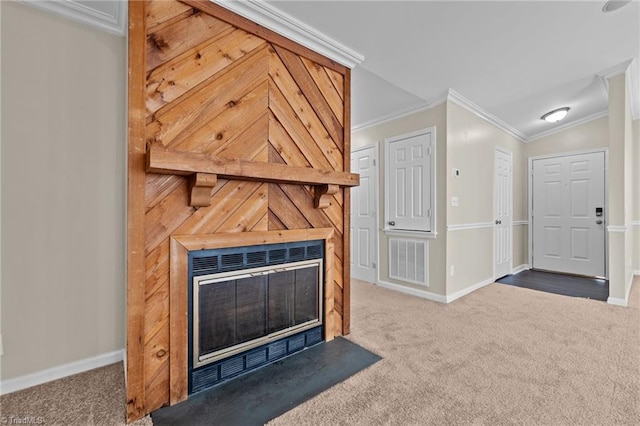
(364, 206)
(568, 217)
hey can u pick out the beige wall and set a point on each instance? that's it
(1, 350)
(468, 143)
(636, 196)
(591, 135)
(471, 146)
(619, 195)
(63, 190)
(375, 135)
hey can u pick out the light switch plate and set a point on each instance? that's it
(455, 201)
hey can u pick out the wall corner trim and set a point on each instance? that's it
(54, 373)
(458, 294)
(617, 301)
(286, 25)
(113, 21)
(460, 100)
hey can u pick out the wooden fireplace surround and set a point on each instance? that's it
(181, 245)
(236, 136)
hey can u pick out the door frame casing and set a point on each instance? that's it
(530, 161)
(376, 181)
(510, 154)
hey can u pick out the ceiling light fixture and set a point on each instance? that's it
(612, 5)
(556, 115)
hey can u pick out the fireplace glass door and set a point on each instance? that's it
(237, 311)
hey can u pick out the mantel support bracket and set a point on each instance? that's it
(200, 186)
(322, 195)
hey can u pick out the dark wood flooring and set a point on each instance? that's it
(567, 285)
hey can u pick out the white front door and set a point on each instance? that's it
(363, 215)
(502, 202)
(568, 214)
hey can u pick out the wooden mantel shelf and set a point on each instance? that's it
(205, 168)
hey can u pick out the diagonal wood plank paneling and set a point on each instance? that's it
(329, 92)
(186, 115)
(250, 142)
(303, 111)
(174, 78)
(161, 14)
(212, 86)
(166, 43)
(232, 121)
(313, 94)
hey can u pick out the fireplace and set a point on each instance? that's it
(250, 306)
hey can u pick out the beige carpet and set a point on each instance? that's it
(94, 398)
(501, 355)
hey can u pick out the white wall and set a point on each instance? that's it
(63, 191)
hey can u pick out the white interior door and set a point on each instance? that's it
(502, 200)
(363, 215)
(409, 194)
(568, 214)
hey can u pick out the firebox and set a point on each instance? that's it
(251, 306)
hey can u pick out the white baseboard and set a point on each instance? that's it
(23, 382)
(518, 269)
(413, 291)
(458, 294)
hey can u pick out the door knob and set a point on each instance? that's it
(498, 222)
(392, 223)
(599, 222)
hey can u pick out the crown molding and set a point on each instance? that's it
(615, 70)
(286, 25)
(568, 125)
(403, 113)
(114, 23)
(460, 100)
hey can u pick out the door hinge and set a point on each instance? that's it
(373, 265)
(374, 163)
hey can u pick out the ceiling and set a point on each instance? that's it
(511, 61)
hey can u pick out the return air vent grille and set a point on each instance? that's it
(205, 262)
(408, 260)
